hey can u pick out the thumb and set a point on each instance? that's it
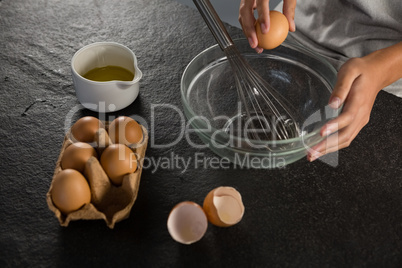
(345, 80)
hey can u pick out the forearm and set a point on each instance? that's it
(387, 63)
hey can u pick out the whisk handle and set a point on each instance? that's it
(214, 23)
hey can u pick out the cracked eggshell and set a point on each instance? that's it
(187, 222)
(223, 206)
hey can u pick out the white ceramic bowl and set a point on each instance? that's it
(107, 96)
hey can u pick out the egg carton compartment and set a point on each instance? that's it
(108, 202)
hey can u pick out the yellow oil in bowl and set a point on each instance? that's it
(109, 73)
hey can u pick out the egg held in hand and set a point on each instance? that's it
(118, 160)
(278, 31)
(70, 191)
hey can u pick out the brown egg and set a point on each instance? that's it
(118, 160)
(278, 31)
(85, 128)
(70, 191)
(223, 206)
(125, 130)
(76, 155)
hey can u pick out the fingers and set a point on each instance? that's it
(247, 21)
(338, 135)
(258, 50)
(333, 143)
(356, 87)
(289, 7)
(339, 132)
(343, 120)
(346, 77)
(263, 15)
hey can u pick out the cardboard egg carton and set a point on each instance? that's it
(108, 202)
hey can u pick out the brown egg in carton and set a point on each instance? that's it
(108, 202)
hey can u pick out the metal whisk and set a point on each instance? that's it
(268, 114)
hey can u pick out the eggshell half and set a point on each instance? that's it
(223, 206)
(187, 222)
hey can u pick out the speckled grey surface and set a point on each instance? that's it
(307, 214)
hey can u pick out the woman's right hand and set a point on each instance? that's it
(247, 19)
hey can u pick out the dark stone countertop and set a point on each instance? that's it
(307, 214)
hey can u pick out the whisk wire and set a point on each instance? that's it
(258, 97)
(254, 91)
(241, 84)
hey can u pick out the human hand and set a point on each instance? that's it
(359, 81)
(247, 19)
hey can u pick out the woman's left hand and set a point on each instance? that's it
(359, 81)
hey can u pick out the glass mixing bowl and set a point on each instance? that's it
(211, 103)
